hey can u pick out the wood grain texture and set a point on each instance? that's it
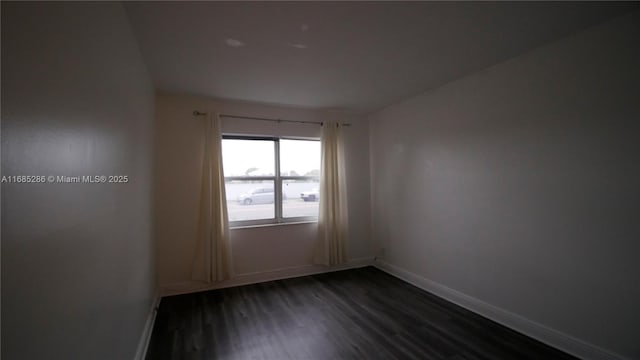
(353, 314)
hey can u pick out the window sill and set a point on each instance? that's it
(236, 227)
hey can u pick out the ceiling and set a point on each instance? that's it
(353, 56)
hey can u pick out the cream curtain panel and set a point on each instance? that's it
(211, 262)
(333, 219)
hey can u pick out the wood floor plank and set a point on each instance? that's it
(352, 314)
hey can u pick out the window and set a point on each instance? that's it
(271, 180)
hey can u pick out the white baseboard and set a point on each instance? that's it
(258, 277)
(544, 334)
(143, 345)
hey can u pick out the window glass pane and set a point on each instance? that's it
(300, 198)
(299, 157)
(248, 157)
(250, 200)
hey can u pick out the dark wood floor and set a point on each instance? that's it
(352, 314)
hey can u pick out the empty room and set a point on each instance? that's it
(320, 180)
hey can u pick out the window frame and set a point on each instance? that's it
(277, 179)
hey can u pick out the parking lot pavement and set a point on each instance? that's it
(290, 208)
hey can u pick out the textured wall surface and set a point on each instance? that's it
(518, 185)
(77, 259)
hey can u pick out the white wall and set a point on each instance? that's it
(77, 259)
(518, 185)
(260, 250)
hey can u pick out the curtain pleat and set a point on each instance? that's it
(211, 261)
(333, 217)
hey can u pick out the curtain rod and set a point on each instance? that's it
(198, 113)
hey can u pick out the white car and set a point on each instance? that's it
(313, 195)
(257, 196)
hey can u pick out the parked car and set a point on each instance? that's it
(257, 196)
(313, 195)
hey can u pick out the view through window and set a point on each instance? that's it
(271, 180)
